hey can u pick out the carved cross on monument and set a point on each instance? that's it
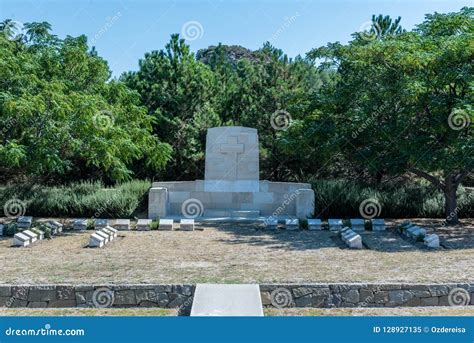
(232, 159)
(233, 149)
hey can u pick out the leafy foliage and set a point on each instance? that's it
(178, 92)
(10, 229)
(407, 89)
(83, 199)
(59, 117)
(387, 103)
(342, 198)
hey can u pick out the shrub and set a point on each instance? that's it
(154, 225)
(46, 230)
(304, 224)
(10, 229)
(334, 198)
(85, 199)
(342, 198)
(90, 224)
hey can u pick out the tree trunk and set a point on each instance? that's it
(450, 200)
(449, 188)
(379, 177)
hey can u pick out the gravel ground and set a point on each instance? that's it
(238, 254)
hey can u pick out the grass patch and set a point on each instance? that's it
(394, 311)
(161, 312)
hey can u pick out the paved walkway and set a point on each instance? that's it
(227, 300)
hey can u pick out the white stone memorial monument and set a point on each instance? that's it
(231, 188)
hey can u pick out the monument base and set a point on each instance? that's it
(203, 200)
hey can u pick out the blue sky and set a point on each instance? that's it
(122, 31)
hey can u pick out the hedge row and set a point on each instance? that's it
(344, 199)
(84, 199)
(334, 198)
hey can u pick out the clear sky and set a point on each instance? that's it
(122, 31)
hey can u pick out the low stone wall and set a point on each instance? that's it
(98, 296)
(366, 295)
(283, 198)
(273, 295)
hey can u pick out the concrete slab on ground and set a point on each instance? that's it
(227, 300)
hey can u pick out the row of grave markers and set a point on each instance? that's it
(102, 236)
(184, 225)
(419, 234)
(106, 233)
(142, 224)
(351, 238)
(334, 224)
(188, 224)
(118, 224)
(30, 235)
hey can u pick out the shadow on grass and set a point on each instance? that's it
(386, 241)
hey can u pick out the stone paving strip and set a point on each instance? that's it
(356, 224)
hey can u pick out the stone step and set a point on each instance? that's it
(231, 213)
(217, 213)
(245, 214)
(227, 300)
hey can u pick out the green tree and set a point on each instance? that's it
(61, 119)
(178, 92)
(266, 90)
(404, 103)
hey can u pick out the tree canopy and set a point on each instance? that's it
(404, 102)
(389, 102)
(61, 118)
